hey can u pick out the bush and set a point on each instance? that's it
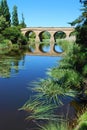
(6, 44)
(22, 40)
(81, 37)
(12, 33)
(15, 47)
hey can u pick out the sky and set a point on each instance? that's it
(47, 13)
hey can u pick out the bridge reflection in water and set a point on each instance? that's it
(45, 50)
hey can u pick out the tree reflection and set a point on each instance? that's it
(10, 65)
(32, 47)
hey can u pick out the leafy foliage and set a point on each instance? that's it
(15, 21)
(12, 33)
(22, 24)
(22, 40)
(81, 26)
(82, 35)
(8, 32)
(4, 10)
(3, 23)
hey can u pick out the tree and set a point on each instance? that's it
(81, 25)
(3, 23)
(4, 10)
(83, 1)
(82, 28)
(0, 10)
(15, 21)
(22, 24)
(12, 33)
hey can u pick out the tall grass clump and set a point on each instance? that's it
(55, 126)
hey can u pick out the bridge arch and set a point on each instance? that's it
(44, 35)
(59, 35)
(30, 34)
(73, 33)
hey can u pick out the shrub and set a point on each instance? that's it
(12, 33)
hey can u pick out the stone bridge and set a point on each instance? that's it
(51, 30)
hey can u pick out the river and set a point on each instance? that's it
(16, 76)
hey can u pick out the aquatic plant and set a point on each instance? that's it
(52, 89)
(39, 109)
(55, 126)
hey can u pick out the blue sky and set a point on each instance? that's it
(47, 13)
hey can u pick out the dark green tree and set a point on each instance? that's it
(15, 21)
(0, 10)
(3, 23)
(81, 37)
(81, 25)
(22, 24)
(12, 33)
(4, 10)
(83, 1)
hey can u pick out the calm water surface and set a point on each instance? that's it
(16, 75)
